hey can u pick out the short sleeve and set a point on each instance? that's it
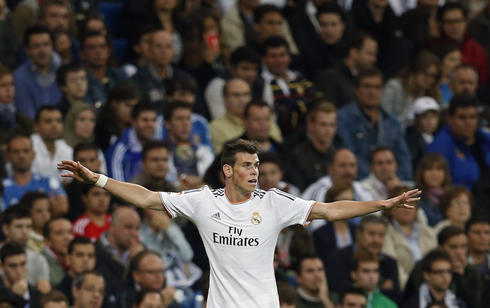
(292, 210)
(183, 203)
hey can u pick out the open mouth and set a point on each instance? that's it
(252, 181)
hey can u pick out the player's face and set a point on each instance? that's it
(246, 172)
(82, 259)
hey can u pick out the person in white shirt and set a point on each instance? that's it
(239, 224)
(47, 142)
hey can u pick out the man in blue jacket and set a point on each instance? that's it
(364, 125)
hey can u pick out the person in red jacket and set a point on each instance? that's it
(96, 220)
(453, 18)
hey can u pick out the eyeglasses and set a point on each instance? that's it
(153, 272)
(441, 272)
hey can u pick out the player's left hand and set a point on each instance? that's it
(402, 200)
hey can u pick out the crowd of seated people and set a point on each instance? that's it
(348, 100)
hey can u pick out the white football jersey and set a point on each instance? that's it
(240, 239)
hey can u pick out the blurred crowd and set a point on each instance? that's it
(348, 100)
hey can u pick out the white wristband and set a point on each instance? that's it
(101, 181)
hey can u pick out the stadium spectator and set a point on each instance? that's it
(288, 296)
(124, 156)
(35, 79)
(453, 20)
(418, 79)
(115, 247)
(450, 58)
(466, 280)
(148, 297)
(102, 78)
(116, 115)
(88, 290)
(47, 142)
(310, 158)
(426, 113)
(21, 155)
(407, 238)
(58, 234)
(432, 177)
(139, 55)
(337, 234)
(53, 299)
(14, 267)
(79, 125)
(456, 205)
(16, 226)
(370, 236)
(271, 175)
(478, 233)
(312, 283)
(286, 91)
(437, 273)
(151, 79)
(383, 176)
(12, 121)
(7, 36)
(80, 259)
(244, 64)
(236, 96)
(353, 298)
(96, 219)
(360, 123)
(189, 159)
(359, 52)
(38, 204)
(365, 274)
(238, 24)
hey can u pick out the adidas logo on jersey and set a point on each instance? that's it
(216, 216)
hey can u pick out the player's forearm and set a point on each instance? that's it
(131, 193)
(342, 210)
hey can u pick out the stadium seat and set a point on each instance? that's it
(111, 12)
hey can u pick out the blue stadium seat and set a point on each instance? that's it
(111, 12)
(119, 46)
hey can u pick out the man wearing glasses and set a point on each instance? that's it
(88, 290)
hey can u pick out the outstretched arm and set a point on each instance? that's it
(341, 210)
(131, 193)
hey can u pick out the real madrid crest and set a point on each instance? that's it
(256, 219)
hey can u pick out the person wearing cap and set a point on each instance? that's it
(425, 113)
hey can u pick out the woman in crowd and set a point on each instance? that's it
(418, 79)
(450, 58)
(432, 177)
(407, 239)
(338, 234)
(456, 205)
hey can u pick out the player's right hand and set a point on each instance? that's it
(79, 172)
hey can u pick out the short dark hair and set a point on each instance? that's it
(449, 6)
(462, 101)
(16, 211)
(134, 263)
(263, 10)
(84, 147)
(434, 256)
(370, 219)
(142, 107)
(47, 226)
(91, 34)
(180, 83)
(31, 197)
(233, 147)
(269, 157)
(78, 281)
(45, 108)
(354, 39)
(11, 249)
(5, 71)
(82, 240)
(370, 72)
(37, 29)
(378, 149)
(353, 291)
(140, 296)
(17, 136)
(48, 3)
(65, 69)
(53, 296)
(254, 103)
(476, 220)
(124, 90)
(151, 145)
(273, 42)
(86, 188)
(447, 233)
(244, 54)
(287, 293)
(331, 8)
(169, 109)
(297, 266)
